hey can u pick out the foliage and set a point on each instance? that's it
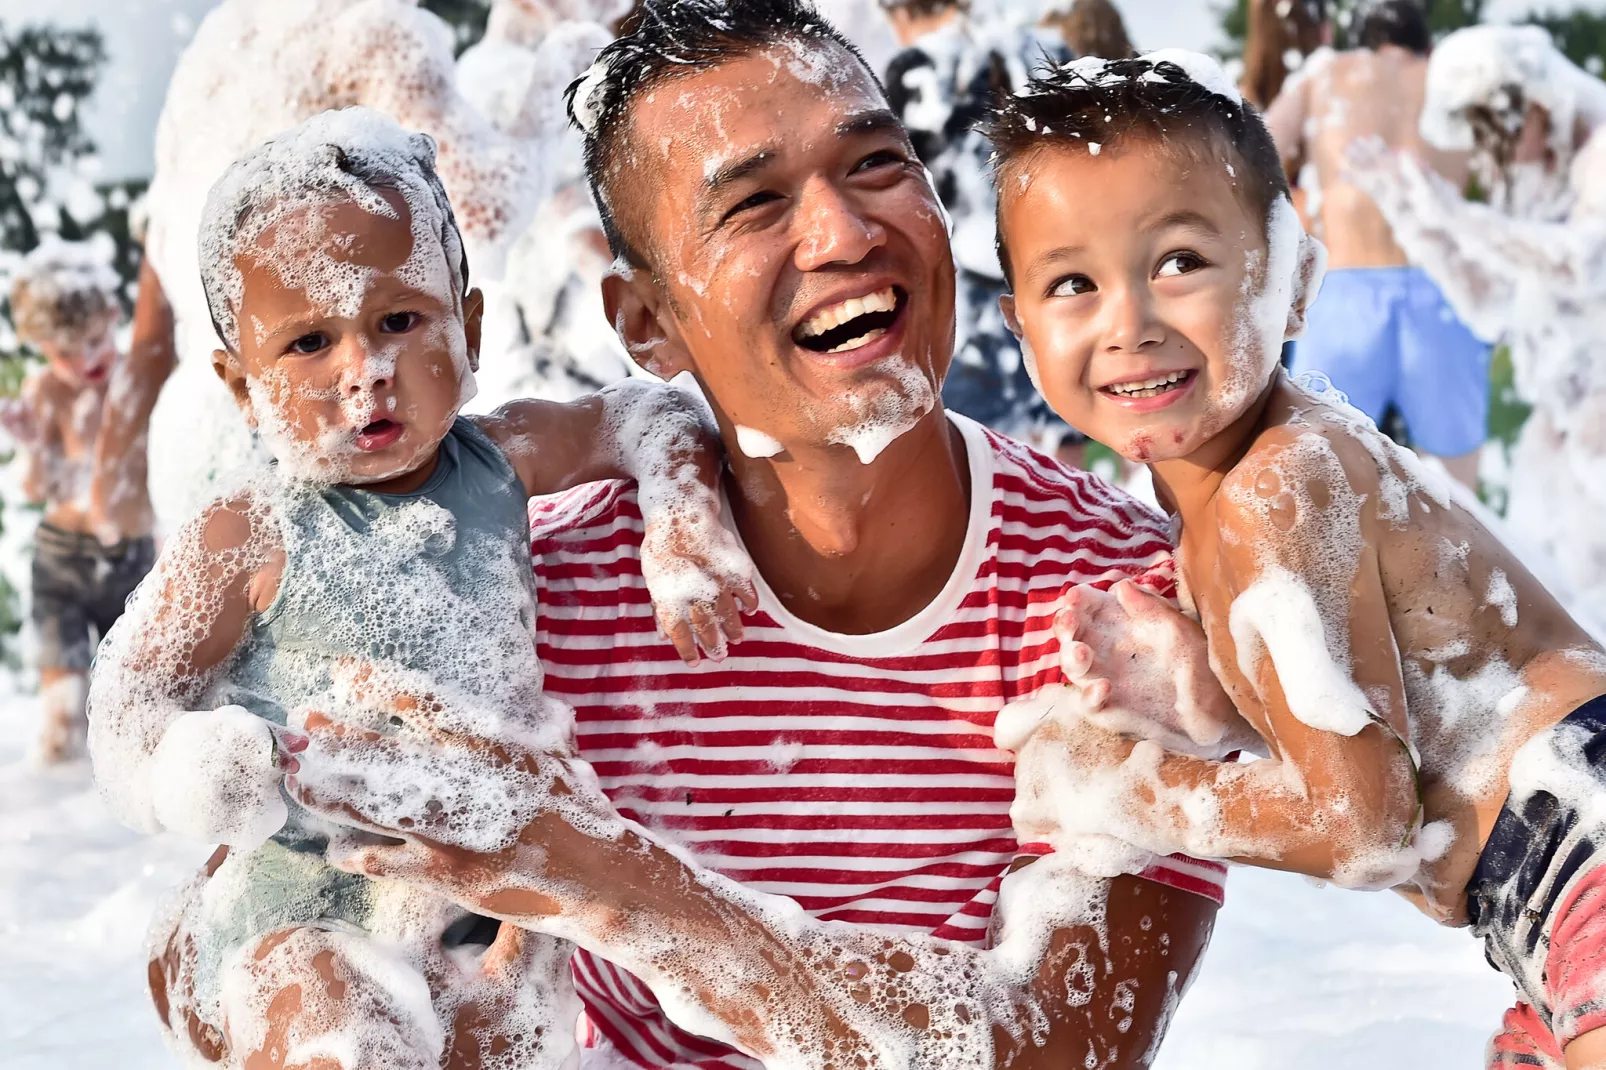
(1580, 34)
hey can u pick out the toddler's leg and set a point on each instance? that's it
(62, 694)
(61, 621)
(319, 999)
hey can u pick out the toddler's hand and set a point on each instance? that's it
(215, 776)
(1142, 669)
(700, 578)
(18, 418)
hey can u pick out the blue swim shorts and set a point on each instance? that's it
(1387, 335)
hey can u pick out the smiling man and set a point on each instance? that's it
(780, 242)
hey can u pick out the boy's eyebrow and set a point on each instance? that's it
(1186, 217)
(1046, 261)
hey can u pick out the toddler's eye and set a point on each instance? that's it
(398, 322)
(1180, 264)
(309, 343)
(1071, 286)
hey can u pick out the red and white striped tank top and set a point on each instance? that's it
(855, 774)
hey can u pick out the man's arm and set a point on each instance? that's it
(119, 504)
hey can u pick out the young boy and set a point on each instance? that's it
(64, 305)
(1433, 718)
(385, 554)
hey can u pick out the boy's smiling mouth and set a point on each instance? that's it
(379, 435)
(1151, 392)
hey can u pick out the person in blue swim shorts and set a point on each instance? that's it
(1380, 329)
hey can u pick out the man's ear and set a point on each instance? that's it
(1006, 305)
(227, 366)
(1307, 284)
(473, 321)
(639, 310)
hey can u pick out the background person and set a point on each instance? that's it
(1380, 328)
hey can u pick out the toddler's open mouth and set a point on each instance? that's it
(380, 434)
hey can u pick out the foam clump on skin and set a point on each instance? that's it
(213, 778)
(883, 414)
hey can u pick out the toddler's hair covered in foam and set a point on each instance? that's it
(1171, 97)
(354, 151)
(64, 293)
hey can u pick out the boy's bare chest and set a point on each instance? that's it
(1206, 591)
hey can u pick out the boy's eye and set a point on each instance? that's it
(399, 322)
(1180, 264)
(1072, 286)
(309, 343)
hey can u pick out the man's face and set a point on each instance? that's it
(355, 377)
(1141, 293)
(801, 255)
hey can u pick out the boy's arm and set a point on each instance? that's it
(31, 421)
(183, 624)
(1082, 965)
(1339, 800)
(697, 573)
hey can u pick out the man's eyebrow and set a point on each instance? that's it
(729, 173)
(869, 122)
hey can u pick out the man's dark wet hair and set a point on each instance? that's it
(1394, 22)
(665, 39)
(1085, 103)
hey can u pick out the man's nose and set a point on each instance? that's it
(1129, 319)
(832, 228)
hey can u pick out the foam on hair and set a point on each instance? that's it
(355, 153)
(64, 293)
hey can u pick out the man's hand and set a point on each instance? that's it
(1142, 668)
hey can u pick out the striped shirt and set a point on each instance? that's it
(855, 774)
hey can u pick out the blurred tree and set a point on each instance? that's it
(1580, 34)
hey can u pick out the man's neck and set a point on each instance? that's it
(857, 548)
(1186, 486)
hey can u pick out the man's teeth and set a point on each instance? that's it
(846, 311)
(1148, 388)
(858, 341)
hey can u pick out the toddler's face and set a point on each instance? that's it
(83, 363)
(353, 370)
(1135, 277)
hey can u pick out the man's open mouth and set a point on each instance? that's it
(379, 434)
(1152, 387)
(851, 324)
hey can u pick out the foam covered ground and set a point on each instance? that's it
(1298, 975)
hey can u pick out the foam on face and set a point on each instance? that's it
(883, 412)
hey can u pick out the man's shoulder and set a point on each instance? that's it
(1037, 489)
(583, 513)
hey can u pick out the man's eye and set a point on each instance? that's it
(883, 158)
(748, 204)
(1072, 286)
(399, 322)
(1180, 264)
(309, 343)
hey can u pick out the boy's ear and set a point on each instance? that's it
(227, 366)
(1006, 305)
(473, 322)
(639, 310)
(1307, 284)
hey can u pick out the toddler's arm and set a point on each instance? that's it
(209, 774)
(695, 570)
(30, 420)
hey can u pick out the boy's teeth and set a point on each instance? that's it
(1145, 387)
(851, 309)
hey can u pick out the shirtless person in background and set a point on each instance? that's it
(1381, 330)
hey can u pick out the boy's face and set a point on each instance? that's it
(1136, 273)
(353, 372)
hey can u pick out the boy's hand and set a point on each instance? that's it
(215, 776)
(20, 422)
(699, 577)
(1142, 669)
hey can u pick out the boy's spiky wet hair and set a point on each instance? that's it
(1170, 97)
(63, 293)
(664, 39)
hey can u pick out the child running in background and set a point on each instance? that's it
(385, 554)
(64, 304)
(1433, 719)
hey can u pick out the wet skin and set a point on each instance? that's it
(835, 207)
(1152, 297)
